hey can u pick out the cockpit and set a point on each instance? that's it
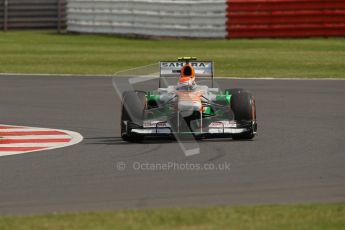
(187, 78)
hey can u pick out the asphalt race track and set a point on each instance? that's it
(298, 157)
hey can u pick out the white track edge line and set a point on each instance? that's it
(25, 137)
(25, 130)
(30, 145)
(110, 75)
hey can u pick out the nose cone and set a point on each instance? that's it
(184, 106)
(189, 101)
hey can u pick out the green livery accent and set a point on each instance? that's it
(224, 97)
(152, 97)
(208, 111)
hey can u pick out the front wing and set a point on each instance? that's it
(222, 128)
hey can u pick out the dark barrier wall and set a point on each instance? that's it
(32, 14)
(285, 18)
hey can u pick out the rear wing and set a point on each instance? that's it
(171, 69)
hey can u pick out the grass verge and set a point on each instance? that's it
(313, 216)
(48, 52)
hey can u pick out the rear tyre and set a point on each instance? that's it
(243, 106)
(133, 107)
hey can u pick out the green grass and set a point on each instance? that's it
(316, 216)
(48, 52)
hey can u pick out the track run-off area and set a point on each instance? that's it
(298, 156)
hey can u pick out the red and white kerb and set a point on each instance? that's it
(21, 139)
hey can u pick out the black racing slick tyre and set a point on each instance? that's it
(243, 106)
(133, 107)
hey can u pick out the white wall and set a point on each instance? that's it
(177, 18)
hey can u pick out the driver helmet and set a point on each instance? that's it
(187, 79)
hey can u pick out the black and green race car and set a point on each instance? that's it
(201, 111)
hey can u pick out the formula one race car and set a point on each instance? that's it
(187, 108)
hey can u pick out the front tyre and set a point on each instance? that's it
(243, 106)
(133, 107)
